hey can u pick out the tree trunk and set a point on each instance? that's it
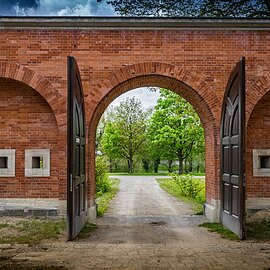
(156, 165)
(111, 166)
(198, 167)
(180, 159)
(185, 167)
(130, 165)
(170, 165)
(190, 164)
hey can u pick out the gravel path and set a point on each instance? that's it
(146, 228)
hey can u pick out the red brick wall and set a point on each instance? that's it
(27, 122)
(258, 137)
(202, 60)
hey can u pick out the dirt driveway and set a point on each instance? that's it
(146, 228)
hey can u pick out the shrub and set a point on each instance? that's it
(102, 179)
(188, 186)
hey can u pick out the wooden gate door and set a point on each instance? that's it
(76, 197)
(232, 152)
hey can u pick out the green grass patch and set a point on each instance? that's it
(138, 174)
(170, 186)
(31, 231)
(218, 228)
(197, 174)
(259, 230)
(87, 230)
(104, 199)
(4, 225)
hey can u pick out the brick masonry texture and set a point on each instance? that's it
(27, 122)
(196, 64)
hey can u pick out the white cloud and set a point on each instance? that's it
(148, 98)
(74, 8)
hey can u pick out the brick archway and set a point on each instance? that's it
(40, 84)
(187, 84)
(258, 130)
(258, 89)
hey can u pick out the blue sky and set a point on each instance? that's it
(55, 8)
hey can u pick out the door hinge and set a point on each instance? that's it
(244, 180)
(71, 183)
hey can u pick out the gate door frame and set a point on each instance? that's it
(232, 161)
(76, 154)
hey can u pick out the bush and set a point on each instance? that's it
(188, 186)
(102, 179)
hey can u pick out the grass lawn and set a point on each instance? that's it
(30, 231)
(172, 188)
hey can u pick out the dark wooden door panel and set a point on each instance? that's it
(232, 152)
(76, 210)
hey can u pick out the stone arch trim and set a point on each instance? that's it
(40, 84)
(257, 90)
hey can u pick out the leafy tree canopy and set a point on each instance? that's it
(192, 8)
(175, 128)
(125, 136)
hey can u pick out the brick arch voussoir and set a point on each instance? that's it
(119, 76)
(40, 84)
(258, 89)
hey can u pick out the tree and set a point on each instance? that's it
(125, 135)
(175, 128)
(192, 8)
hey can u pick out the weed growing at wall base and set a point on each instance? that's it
(103, 199)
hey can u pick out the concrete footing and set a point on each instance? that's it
(212, 210)
(92, 214)
(24, 207)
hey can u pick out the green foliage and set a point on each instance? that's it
(170, 186)
(102, 180)
(125, 136)
(188, 186)
(32, 231)
(175, 129)
(218, 228)
(103, 200)
(259, 229)
(141, 174)
(192, 8)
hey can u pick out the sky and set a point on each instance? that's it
(55, 8)
(147, 98)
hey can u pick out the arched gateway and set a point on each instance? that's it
(195, 58)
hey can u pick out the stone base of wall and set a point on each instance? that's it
(254, 205)
(41, 207)
(212, 210)
(92, 214)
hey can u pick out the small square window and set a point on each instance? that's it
(7, 162)
(265, 162)
(3, 162)
(37, 162)
(261, 162)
